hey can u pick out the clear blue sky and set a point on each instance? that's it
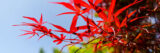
(11, 12)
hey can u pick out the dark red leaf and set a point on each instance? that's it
(124, 8)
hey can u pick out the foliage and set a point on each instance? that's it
(125, 26)
(56, 50)
(41, 50)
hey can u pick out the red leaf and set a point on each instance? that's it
(43, 28)
(73, 39)
(55, 41)
(26, 24)
(85, 4)
(130, 14)
(77, 2)
(66, 13)
(111, 9)
(28, 32)
(82, 27)
(33, 19)
(55, 36)
(97, 2)
(62, 37)
(25, 34)
(30, 37)
(124, 8)
(80, 37)
(67, 5)
(41, 36)
(90, 1)
(59, 27)
(59, 42)
(41, 20)
(117, 22)
(73, 24)
(102, 15)
(62, 31)
(109, 44)
(137, 18)
(90, 20)
(123, 22)
(140, 34)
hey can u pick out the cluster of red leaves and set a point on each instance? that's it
(103, 29)
(38, 27)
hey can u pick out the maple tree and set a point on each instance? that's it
(123, 25)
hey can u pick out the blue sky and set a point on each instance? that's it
(11, 12)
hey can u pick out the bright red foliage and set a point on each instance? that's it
(107, 28)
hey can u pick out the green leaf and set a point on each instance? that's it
(55, 50)
(73, 49)
(41, 50)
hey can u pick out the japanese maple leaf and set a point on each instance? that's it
(29, 32)
(59, 39)
(99, 10)
(61, 29)
(36, 26)
(90, 23)
(111, 10)
(69, 6)
(40, 22)
(124, 21)
(110, 16)
(76, 12)
(77, 6)
(45, 32)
